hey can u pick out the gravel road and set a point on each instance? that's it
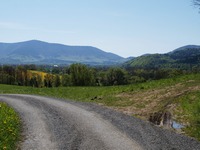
(55, 124)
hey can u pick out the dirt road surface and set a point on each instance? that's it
(55, 124)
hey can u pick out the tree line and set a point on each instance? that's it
(81, 75)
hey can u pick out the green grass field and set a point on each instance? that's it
(9, 127)
(188, 112)
(179, 95)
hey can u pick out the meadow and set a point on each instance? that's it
(180, 95)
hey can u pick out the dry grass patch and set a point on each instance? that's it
(143, 103)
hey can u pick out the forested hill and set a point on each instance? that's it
(38, 52)
(181, 58)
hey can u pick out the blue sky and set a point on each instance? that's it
(123, 27)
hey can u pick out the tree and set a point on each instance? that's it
(48, 80)
(7, 75)
(56, 81)
(101, 78)
(116, 76)
(36, 81)
(66, 80)
(21, 75)
(197, 3)
(56, 70)
(81, 75)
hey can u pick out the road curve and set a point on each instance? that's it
(51, 124)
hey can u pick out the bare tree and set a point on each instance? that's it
(196, 3)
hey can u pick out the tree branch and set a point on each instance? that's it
(196, 3)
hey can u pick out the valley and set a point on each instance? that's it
(150, 88)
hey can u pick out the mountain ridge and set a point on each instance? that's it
(40, 52)
(35, 51)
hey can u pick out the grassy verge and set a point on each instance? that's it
(188, 112)
(9, 127)
(179, 95)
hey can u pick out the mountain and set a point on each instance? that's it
(39, 52)
(182, 58)
(186, 47)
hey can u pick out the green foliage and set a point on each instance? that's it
(116, 76)
(66, 80)
(7, 74)
(81, 75)
(21, 75)
(56, 81)
(150, 61)
(9, 127)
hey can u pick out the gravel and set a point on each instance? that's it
(51, 124)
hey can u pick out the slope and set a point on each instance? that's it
(184, 58)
